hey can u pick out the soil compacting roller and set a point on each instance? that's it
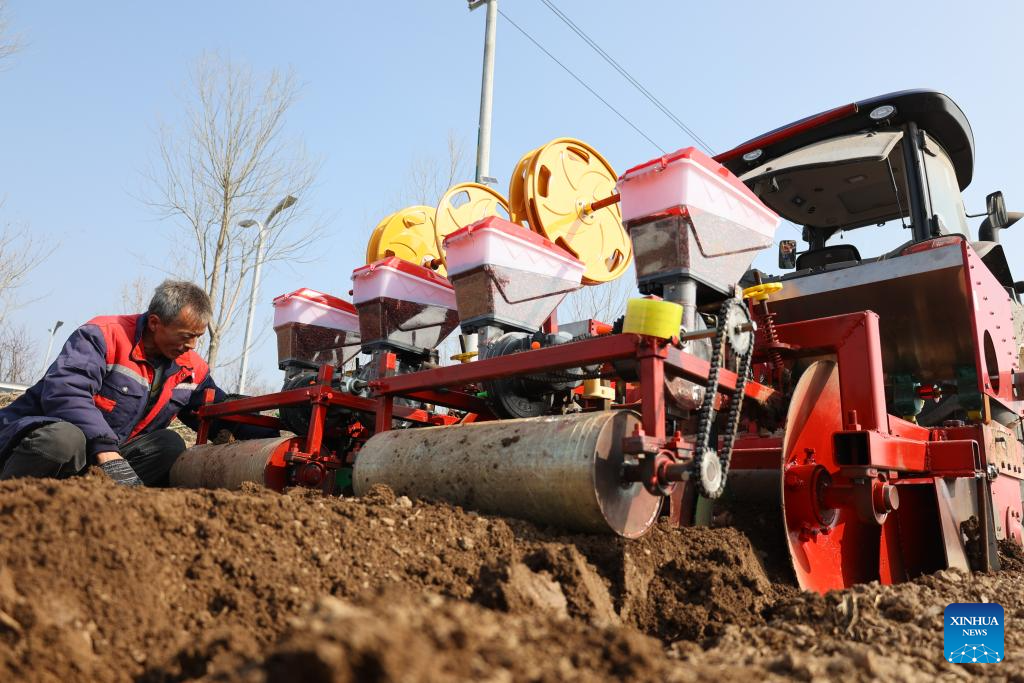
(565, 470)
(864, 412)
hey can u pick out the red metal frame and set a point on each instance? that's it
(246, 410)
(854, 339)
(602, 350)
(870, 458)
(991, 314)
(320, 396)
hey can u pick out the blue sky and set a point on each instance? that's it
(385, 82)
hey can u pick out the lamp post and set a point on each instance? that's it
(483, 139)
(49, 346)
(248, 223)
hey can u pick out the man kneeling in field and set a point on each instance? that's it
(108, 397)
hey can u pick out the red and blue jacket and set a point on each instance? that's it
(100, 383)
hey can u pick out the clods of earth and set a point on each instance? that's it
(103, 583)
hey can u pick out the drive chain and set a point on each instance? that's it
(706, 414)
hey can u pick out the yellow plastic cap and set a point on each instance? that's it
(761, 292)
(653, 317)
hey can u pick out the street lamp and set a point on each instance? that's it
(49, 346)
(483, 140)
(248, 223)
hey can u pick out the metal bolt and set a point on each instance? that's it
(890, 498)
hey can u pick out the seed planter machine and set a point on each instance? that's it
(865, 411)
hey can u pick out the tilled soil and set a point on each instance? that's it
(102, 583)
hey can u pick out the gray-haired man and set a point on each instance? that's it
(110, 394)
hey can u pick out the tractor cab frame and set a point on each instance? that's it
(903, 158)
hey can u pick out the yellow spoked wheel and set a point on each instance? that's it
(563, 178)
(372, 245)
(465, 204)
(517, 208)
(407, 234)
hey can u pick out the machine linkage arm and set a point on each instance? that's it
(658, 464)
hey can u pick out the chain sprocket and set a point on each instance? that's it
(712, 468)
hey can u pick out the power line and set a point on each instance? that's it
(580, 81)
(625, 74)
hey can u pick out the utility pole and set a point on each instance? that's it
(483, 140)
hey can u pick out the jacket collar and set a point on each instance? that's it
(138, 352)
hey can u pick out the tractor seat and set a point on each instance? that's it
(821, 258)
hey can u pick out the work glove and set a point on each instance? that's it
(121, 472)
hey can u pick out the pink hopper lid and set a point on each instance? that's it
(421, 272)
(697, 156)
(514, 229)
(318, 297)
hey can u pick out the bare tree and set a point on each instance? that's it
(428, 177)
(19, 360)
(230, 364)
(229, 161)
(9, 43)
(20, 253)
(135, 295)
(604, 302)
(258, 385)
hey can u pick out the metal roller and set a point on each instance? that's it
(229, 465)
(562, 470)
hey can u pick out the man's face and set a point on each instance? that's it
(177, 336)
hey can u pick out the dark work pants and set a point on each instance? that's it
(58, 450)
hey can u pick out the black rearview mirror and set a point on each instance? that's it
(787, 254)
(995, 206)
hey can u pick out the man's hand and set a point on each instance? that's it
(118, 469)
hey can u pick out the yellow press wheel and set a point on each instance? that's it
(517, 189)
(407, 234)
(564, 178)
(465, 204)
